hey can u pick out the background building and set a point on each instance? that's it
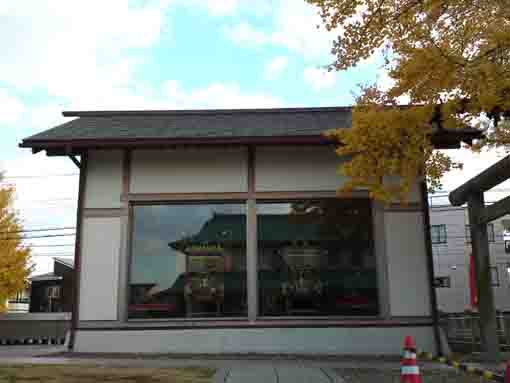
(450, 234)
(53, 292)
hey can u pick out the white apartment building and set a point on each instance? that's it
(452, 247)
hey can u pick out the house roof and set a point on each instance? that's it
(45, 277)
(108, 129)
(65, 261)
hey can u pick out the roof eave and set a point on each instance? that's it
(75, 146)
(64, 147)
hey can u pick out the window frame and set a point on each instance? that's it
(442, 282)
(379, 314)
(251, 207)
(130, 240)
(440, 240)
(54, 288)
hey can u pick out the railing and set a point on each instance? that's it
(463, 331)
(34, 328)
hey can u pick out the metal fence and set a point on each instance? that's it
(34, 328)
(463, 331)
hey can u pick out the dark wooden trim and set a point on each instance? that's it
(176, 197)
(251, 171)
(283, 195)
(486, 180)
(104, 213)
(496, 210)
(444, 140)
(129, 257)
(246, 324)
(147, 142)
(278, 195)
(77, 249)
(75, 161)
(430, 265)
(126, 171)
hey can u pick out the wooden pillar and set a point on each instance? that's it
(430, 265)
(480, 244)
(77, 250)
(251, 240)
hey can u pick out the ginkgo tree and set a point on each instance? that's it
(14, 256)
(450, 58)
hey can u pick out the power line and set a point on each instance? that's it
(51, 255)
(34, 230)
(43, 176)
(37, 237)
(32, 246)
(45, 200)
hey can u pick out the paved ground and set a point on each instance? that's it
(246, 369)
(27, 351)
(275, 373)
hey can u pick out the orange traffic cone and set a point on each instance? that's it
(507, 371)
(410, 372)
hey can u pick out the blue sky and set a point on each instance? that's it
(166, 54)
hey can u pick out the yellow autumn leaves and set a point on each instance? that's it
(14, 257)
(451, 56)
(388, 143)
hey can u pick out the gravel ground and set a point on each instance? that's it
(393, 376)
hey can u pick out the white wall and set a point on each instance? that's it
(189, 171)
(297, 169)
(104, 179)
(360, 341)
(407, 264)
(451, 259)
(99, 268)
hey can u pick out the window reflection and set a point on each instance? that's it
(316, 258)
(188, 261)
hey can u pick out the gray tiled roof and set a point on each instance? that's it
(198, 124)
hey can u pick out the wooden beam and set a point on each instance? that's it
(77, 251)
(484, 181)
(496, 210)
(430, 264)
(252, 288)
(126, 172)
(75, 161)
(480, 245)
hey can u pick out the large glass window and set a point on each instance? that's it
(316, 258)
(188, 261)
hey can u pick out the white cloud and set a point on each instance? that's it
(319, 79)
(294, 27)
(11, 108)
(222, 7)
(216, 95)
(70, 49)
(244, 33)
(275, 67)
(230, 7)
